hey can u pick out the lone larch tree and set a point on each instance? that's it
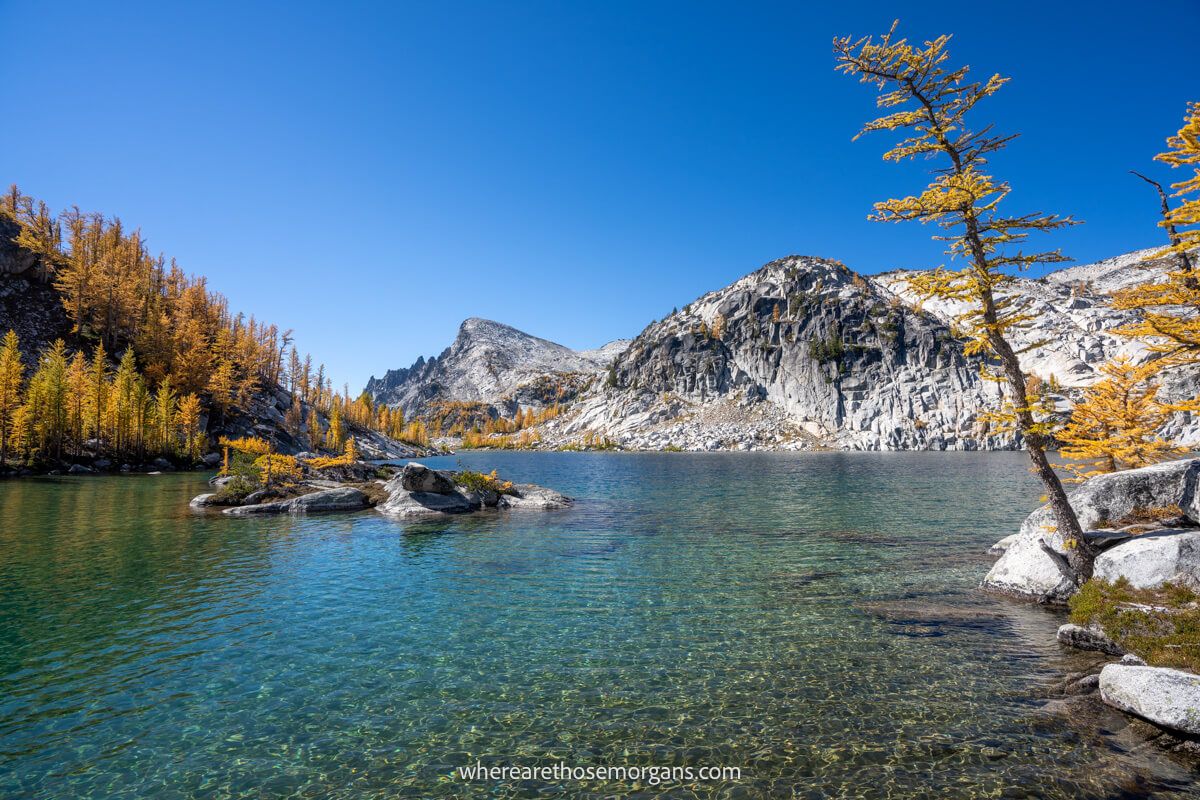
(930, 101)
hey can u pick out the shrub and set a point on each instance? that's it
(235, 491)
(1160, 625)
(479, 482)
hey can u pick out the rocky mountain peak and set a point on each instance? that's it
(494, 365)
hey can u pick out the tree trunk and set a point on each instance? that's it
(1080, 555)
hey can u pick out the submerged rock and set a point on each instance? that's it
(1166, 697)
(527, 495)
(1088, 638)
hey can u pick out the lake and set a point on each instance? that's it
(809, 618)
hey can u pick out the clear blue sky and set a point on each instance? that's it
(370, 175)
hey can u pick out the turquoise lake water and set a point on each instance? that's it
(808, 618)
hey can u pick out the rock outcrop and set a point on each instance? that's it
(1029, 565)
(418, 491)
(1166, 697)
(343, 498)
(817, 351)
(1152, 559)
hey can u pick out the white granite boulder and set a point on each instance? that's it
(1167, 697)
(1152, 559)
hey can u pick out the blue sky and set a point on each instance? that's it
(370, 175)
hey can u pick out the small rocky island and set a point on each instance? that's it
(411, 491)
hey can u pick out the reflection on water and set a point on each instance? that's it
(809, 618)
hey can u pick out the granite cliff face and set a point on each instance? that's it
(495, 365)
(1069, 337)
(802, 351)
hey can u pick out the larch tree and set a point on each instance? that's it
(929, 101)
(165, 406)
(46, 398)
(335, 436)
(78, 384)
(221, 386)
(98, 392)
(187, 417)
(1115, 425)
(12, 372)
(1169, 309)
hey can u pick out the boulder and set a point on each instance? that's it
(1027, 570)
(1029, 567)
(1152, 559)
(79, 469)
(403, 503)
(204, 500)
(343, 499)
(1108, 498)
(211, 459)
(101, 463)
(1088, 638)
(1167, 697)
(420, 478)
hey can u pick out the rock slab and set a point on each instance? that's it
(343, 499)
(1150, 560)
(1167, 697)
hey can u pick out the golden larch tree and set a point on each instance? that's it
(928, 100)
(187, 418)
(1115, 425)
(12, 372)
(1169, 309)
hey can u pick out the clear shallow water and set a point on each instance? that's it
(809, 618)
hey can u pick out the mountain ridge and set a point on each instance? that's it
(805, 352)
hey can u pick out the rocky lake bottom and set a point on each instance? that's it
(810, 618)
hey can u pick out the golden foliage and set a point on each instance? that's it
(1115, 425)
(250, 445)
(274, 467)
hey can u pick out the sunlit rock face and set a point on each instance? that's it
(495, 365)
(841, 359)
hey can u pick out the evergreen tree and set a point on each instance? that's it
(931, 102)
